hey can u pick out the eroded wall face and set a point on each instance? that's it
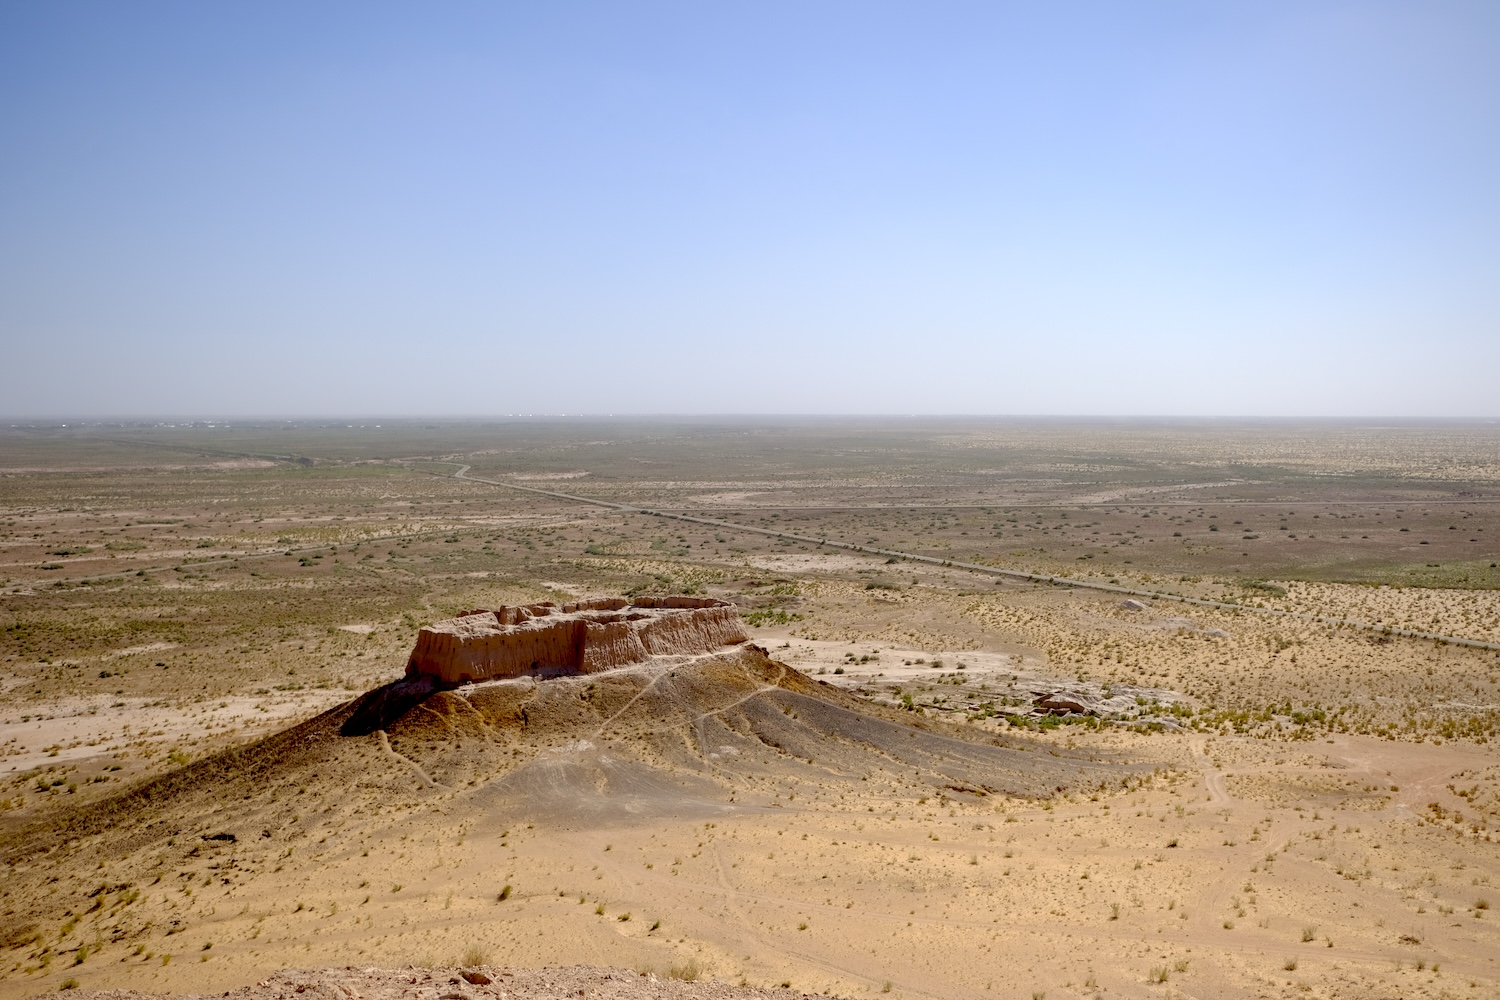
(700, 631)
(577, 638)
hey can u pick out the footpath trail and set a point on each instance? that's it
(1011, 574)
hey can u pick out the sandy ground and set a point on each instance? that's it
(1251, 865)
(480, 981)
(106, 725)
(1245, 867)
(1319, 820)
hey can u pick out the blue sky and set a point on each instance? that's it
(455, 209)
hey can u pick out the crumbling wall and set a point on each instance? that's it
(582, 637)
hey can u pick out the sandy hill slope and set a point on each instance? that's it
(673, 739)
(669, 736)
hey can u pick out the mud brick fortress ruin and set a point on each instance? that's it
(582, 638)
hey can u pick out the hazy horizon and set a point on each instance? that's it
(1281, 209)
(373, 421)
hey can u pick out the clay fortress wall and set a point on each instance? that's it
(581, 638)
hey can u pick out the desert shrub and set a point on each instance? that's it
(688, 970)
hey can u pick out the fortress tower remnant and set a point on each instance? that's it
(578, 638)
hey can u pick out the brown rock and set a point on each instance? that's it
(580, 638)
(1062, 704)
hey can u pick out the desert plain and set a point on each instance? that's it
(1281, 642)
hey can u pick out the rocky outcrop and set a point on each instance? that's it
(1064, 704)
(581, 638)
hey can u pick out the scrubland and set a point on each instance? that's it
(1290, 808)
